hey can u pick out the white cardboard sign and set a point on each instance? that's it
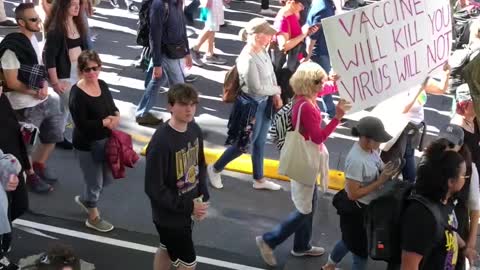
(387, 47)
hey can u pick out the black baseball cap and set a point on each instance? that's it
(452, 133)
(371, 127)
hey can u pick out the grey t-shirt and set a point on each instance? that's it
(365, 168)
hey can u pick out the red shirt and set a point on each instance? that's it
(311, 121)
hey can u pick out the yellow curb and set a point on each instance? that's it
(243, 164)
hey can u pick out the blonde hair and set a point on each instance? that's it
(305, 80)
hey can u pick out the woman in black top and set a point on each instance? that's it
(95, 115)
(428, 239)
(66, 39)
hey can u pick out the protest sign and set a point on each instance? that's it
(387, 47)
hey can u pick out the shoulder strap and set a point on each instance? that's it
(434, 209)
(297, 126)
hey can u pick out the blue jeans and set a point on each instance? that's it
(340, 250)
(296, 223)
(327, 105)
(409, 170)
(172, 73)
(259, 138)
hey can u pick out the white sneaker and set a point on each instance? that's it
(266, 185)
(313, 252)
(266, 251)
(268, 12)
(215, 178)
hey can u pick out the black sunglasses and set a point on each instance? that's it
(88, 69)
(36, 19)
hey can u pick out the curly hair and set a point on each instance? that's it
(437, 167)
(306, 79)
(85, 57)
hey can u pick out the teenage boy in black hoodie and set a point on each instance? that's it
(175, 180)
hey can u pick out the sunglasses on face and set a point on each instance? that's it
(36, 19)
(88, 69)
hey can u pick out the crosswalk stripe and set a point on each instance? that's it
(123, 244)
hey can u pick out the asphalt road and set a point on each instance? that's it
(238, 213)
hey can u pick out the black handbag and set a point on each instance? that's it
(345, 206)
(285, 60)
(175, 51)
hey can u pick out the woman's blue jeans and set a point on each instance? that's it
(296, 223)
(340, 250)
(259, 138)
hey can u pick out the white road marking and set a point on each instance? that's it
(33, 231)
(123, 244)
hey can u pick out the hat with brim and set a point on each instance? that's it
(452, 133)
(260, 26)
(372, 128)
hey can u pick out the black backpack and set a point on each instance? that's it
(143, 29)
(384, 217)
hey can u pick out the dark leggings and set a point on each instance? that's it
(17, 206)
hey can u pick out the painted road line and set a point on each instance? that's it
(123, 244)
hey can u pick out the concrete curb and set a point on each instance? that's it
(243, 164)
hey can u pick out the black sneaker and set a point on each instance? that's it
(148, 120)
(8, 24)
(66, 144)
(114, 3)
(45, 174)
(5, 264)
(37, 185)
(191, 78)
(196, 57)
(214, 59)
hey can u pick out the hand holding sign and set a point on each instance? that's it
(342, 107)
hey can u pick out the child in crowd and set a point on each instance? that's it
(214, 18)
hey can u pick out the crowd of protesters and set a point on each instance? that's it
(284, 65)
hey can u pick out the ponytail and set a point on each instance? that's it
(243, 34)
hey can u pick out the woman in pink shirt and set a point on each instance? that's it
(306, 82)
(289, 40)
(287, 22)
